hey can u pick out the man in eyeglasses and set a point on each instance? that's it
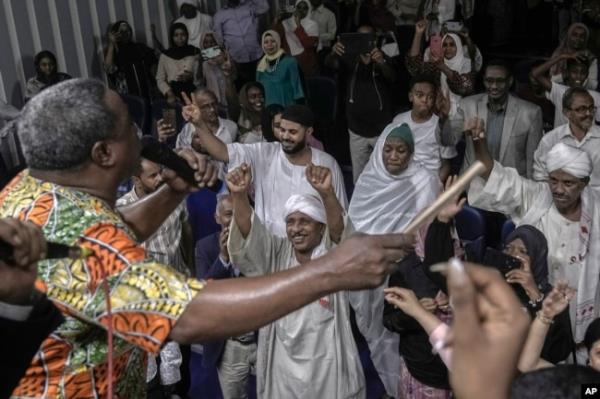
(580, 132)
(514, 126)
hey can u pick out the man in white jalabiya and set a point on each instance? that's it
(565, 209)
(278, 168)
(389, 193)
(196, 23)
(311, 352)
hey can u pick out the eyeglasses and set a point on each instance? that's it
(582, 110)
(498, 81)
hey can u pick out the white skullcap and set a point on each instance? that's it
(572, 160)
(308, 204)
(194, 3)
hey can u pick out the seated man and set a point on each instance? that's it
(80, 144)
(207, 103)
(579, 132)
(235, 356)
(310, 353)
(564, 209)
(575, 75)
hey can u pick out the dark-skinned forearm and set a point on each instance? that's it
(482, 154)
(335, 215)
(231, 307)
(144, 217)
(242, 212)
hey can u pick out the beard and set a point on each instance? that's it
(295, 149)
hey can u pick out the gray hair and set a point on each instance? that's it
(59, 126)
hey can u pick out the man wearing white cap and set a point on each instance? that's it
(196, 23)
(565, 209)
(310, 353)
(580, 132)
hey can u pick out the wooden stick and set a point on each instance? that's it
(476, 169)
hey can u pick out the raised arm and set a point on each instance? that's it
(475, 130)
(541, 72)
(556, 301)
(320, 179)
(415, 48)
(144, 217)
(230, 307)
(215, 147)
(238, 182)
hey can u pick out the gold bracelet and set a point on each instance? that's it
(544, 319)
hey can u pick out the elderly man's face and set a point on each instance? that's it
(208, 107)
(224, 212)
(566, 190)
(582, 112)
(125, 146)
(304, 232)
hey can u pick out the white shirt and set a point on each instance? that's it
(556, 96)
(562, 134)
(327, 25)
(428, 150)
(275, 179)
(227, 133)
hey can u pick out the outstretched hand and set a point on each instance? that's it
(453, 207)
(558, 299)
(319, 178)
(239, 179)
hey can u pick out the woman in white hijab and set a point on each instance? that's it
(456, 65)
(389, 193)
(301, 37)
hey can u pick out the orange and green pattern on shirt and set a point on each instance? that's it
(146, 297)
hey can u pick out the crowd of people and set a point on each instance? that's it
(278, 261)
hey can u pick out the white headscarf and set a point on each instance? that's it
(307, 204)
(460, 63)
(570, 159)
(386, 203)
(310, 27)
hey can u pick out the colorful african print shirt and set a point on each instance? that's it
(146, 297)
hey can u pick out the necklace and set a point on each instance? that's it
(274, 67)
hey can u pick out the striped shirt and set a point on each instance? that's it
(165, 244)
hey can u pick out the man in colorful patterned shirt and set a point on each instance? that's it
(80, 144)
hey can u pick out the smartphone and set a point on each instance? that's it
(358, 43)
(210, 53)
(435, 46)
(505, 263)
(169, 117)
(454, 26)
(501, 261)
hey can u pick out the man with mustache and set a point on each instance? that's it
(565, 209)
(580, 132)
(309, 353)
(279, 167)
(514, 126)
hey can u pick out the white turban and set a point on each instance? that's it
(308, 204)
(572, 160)
(194, 3)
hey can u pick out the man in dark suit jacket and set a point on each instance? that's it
(26, 316)
(232, 358)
